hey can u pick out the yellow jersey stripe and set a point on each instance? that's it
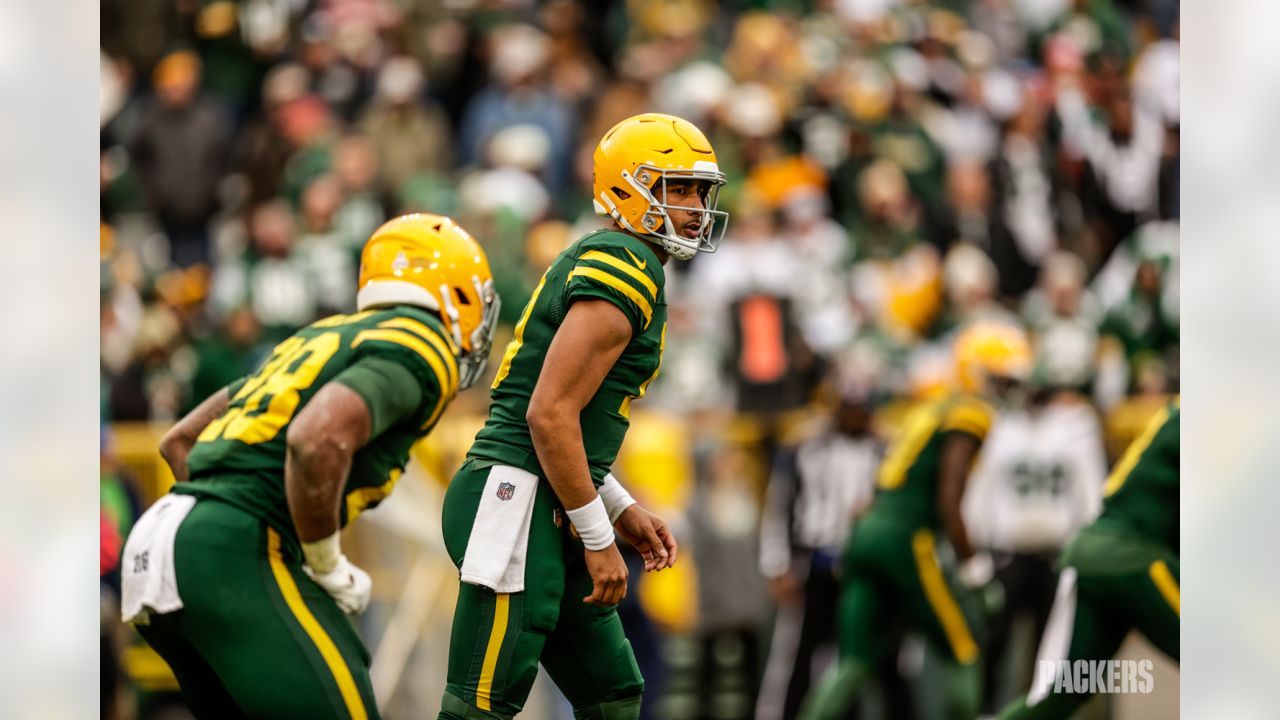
(969, 419)
(484, 689)
(626, 267)
(944, 606)
(1167, 584)
(625, 408)
(518, 340)
(617, 283)
(1129, 460)
(400, 337)
(436, 413)
(338, 320)
(967, 426)
(910, 441)
(361, 498)
(437, 341)
(332, 658)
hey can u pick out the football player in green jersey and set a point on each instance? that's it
(1118, 574)
(531, 515)
(891, 565)
(236, 577)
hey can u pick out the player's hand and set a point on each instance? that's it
(976, 572)
(977, 575)
(786, 590)
(608, 575)
(649, 535)
(348, 585)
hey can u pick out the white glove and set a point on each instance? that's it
(977, 571)
(348, 585)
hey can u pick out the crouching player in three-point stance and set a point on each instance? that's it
(892, 566)
(1118, 574)
(530, 517)
(236, 577)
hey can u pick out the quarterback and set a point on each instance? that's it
(892, 563)
(236, 577)
(1118, 574)
(530, 517)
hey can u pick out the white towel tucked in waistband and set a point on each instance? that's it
(496, 550)
(148, 579)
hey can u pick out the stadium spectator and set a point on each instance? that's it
(181, 153)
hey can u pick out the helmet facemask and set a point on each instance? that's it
(651, 184)
(472, 362)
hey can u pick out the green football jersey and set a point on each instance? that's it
(240, 456)
(1141, 493)
(606, 265)
(907, 481)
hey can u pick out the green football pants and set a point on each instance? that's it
(891, 570)
(256, 638)
(1111, 583)
(499, 638)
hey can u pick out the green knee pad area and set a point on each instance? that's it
(624, 709)
(455, 708)
(836, 694)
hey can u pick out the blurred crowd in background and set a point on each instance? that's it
(897, 169)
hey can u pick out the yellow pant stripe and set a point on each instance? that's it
(485, 688)
(329, 651)
(1167, 584)
(944, 606)
(611, 261)
(617, 283)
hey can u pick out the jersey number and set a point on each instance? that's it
(268, 400)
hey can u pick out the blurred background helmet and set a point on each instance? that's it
(987, 350)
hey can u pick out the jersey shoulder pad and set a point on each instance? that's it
(967, 414)
(416, 339)
(620, 269)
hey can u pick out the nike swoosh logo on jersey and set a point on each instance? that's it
(635, 260)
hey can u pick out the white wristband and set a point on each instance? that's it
(592, 523)
(615, 497)
(322, 555)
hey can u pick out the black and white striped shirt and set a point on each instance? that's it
(813, 496)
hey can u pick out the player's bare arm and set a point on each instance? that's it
(958, 453)
(176, 444)
(590, 340)
(321, 442)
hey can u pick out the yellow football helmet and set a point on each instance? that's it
(991, 349)
(431, 262)
(633, 163)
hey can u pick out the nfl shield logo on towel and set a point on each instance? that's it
(506, 490)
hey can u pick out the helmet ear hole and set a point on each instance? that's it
(620, 193)
(462, 298)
